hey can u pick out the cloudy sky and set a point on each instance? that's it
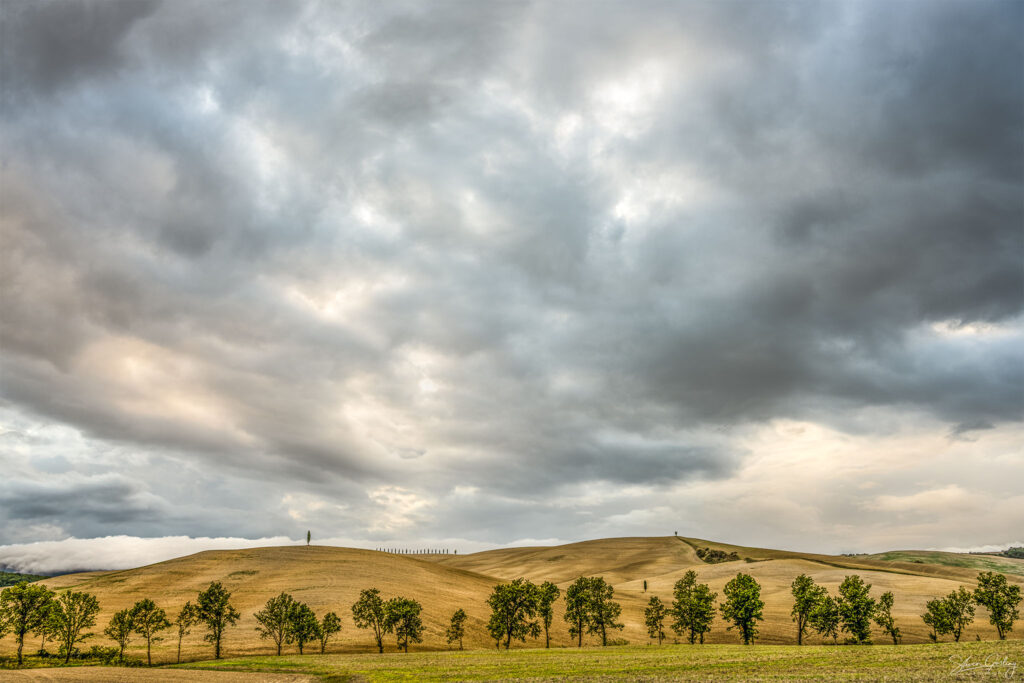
(470, 274)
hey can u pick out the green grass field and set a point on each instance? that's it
(982, 563)
(987, 660)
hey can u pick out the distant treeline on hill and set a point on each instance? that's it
(11, 578)
(1016, 553)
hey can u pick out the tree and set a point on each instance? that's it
(70, 614)
(457, 629)
(147, 621)
(603, 610)
(1000, 599)
(45, 628)
(937, 617)
(309, 537)
(654, 618)
(883, 617)
(24, 608)
(960, 609)
(577, 608)
(806, 596)
(329, 626)
(743, 606)
(403, 618)
(546, 596)
(187, 617)
(824, 617)
(303, 625)
(214, 609)
(513, 606)
(272, 621)
(368, 612)
(856, 607)
(693, 609)
(120, 631)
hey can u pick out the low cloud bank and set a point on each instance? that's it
(127, 552)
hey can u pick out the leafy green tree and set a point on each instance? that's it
(743, 606)
(45, 628)
(120, 631)
(1000, 599)
(825, 619)
(960, 608)
(329, 626)
(604, 611)
(883, 617)
(24, 608)
(513, 607)
(457, 628)
(546, 596)
(187, 617)
(214, 609)
(856, 607)
(368, 612)
(403, 618)
(577, 608)
(147, 621)
(303, 625)
(309, 537)
(71, 613)
(693, 609)
(654, 618)
(938, 618)
(806, 596)
(272, 621)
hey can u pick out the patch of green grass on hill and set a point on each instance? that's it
(11, 578)
(655, 663)
(983, 563)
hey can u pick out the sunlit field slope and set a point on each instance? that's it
(329, 578)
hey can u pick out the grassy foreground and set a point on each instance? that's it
(991, 660)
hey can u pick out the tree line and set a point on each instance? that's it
(520, 609)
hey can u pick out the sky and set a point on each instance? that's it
(478, 274)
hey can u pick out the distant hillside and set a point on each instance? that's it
(329, 578)
(11, 578)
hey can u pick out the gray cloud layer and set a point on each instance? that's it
(441, 270)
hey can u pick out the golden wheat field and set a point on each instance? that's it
(330, 578)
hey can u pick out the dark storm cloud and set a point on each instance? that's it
(508, 246)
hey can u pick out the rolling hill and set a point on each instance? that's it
(330, 578)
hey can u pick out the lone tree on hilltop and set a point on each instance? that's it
(693, 608)
(883, 617)
(329, 626)
(70, 614)
(960, 609)
(302, 626)
(457, 628)
(603, 610)
(1000, 599)
(187, 617)
(513, 607)
(806, 596)
(546, 596)
(147, 621)
(272, 621)
(214, 609)
(743, 606)
(24, 608)
(403, 618)
(368, 612)
(856, 607)
(120, 631)
(824, 618)
(577, 608)
(654, 618)
(309, 537)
